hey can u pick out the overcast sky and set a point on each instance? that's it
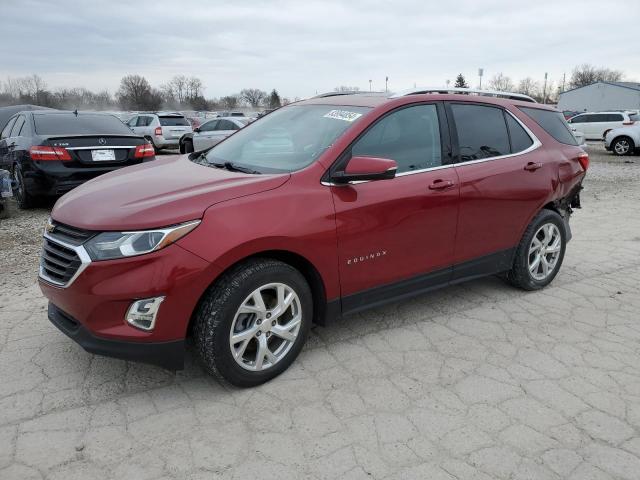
(304, 46)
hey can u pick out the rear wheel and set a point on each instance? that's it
(540, 253)
(623, 146)
(23, 199)
(155, 149)
(188, 146)
(253, 322)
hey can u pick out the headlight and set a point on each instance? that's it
(110, 245)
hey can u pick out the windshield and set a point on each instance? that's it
(287, 139)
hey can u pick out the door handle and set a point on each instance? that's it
(532, 166)
(441, 184)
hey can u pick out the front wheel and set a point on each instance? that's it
(622, 146)
(188, 146)
(253, 322)
(540, 253)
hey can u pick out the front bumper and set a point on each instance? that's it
(97, 300)
(169, 355)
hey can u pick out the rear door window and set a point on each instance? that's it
(226, 125)
(17, 127)
(520, 139)
(173, 121)
(6, 131)
(553, 123)
(83, 124)
(482, 131)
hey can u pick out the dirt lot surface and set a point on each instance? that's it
(476, 381)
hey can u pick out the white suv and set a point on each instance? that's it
(595, 125)
(162, 129)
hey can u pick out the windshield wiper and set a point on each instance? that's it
(234, 167)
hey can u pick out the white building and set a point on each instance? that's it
(602, 96)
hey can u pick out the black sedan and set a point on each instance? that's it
(50, 152)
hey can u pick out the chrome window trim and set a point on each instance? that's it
(85, 260)
(534, 146)
(103, 147)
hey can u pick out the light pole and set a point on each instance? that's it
(370, 84)
(544, 90)
(386, 83)
(480, 73)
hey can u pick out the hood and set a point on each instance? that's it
(156, 194)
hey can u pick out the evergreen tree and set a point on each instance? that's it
(461, 82)
(274, 99)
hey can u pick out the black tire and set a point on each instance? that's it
(188, 146)
(23, 198)
(630, 146)
(520, 276)
(216, 312)
(156, 150)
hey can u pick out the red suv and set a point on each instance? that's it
(322, 208)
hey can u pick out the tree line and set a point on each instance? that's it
(134, 93)
(187, 93)
(581, 76)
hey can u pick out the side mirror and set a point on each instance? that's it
(366, 168)
(196, 130)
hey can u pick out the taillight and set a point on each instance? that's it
(42, 152)
(145, 150)
(628, 123)
(158, 131)
(583, 158)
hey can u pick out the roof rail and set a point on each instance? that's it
(350, 92)
(465, 91)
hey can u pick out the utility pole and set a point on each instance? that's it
(544, 90)
(370, 84)
(480, 73)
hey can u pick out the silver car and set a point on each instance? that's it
(162, 129)
(211, 133)
(623, 141)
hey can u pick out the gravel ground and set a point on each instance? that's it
(473, 381)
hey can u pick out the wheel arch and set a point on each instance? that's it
(321, 308)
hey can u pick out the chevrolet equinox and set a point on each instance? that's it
(320, 209)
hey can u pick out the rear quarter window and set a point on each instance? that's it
(71, 124)
(173, 122)
(551, 122)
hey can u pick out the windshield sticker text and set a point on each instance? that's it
(343, 115)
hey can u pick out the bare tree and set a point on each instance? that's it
(230, 102)
(253, 96)
(528, 86)
(501, 83)
(587, 74)
(135, 93)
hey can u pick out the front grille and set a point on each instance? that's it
(68, 234)
(58, 263)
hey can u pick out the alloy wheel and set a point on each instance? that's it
(265, 327)
(544, 251)
(622, 147)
